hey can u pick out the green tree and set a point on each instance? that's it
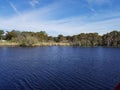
(1, 34)
(12, 34)
(42, 36)
(111, 39)
(61, 38)
(27, 40)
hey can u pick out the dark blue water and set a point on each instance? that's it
(59, 68)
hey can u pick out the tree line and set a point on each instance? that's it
(26, 38)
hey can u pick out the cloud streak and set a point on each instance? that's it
(14, 8)
(33, 3)
(99, 2)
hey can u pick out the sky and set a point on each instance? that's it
(67, 17)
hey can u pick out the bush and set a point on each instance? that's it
(28, 41)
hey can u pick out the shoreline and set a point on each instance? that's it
(9, 44)
(14, 44)
(36, 44)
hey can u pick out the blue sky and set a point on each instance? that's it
(65, 17)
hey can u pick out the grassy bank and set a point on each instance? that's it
(51, 44)
(8, 43)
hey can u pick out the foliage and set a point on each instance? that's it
(83, 39)
(28, 40)
(12, 34)
(1, 33)
(111, 39)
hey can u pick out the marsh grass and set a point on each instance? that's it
(9, 43)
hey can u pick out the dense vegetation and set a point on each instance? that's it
(83, 39)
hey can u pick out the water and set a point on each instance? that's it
(59, 68)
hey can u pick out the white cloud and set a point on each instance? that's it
(33, 3)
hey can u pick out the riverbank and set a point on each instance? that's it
(51, 44)
(15, 44)
(7, 43)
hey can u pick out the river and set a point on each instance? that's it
(59, 68)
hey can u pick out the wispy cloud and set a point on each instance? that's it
(99, 2)
(33, 3)
(14, 8)
(69, 26)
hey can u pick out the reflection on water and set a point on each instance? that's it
(59, 68)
